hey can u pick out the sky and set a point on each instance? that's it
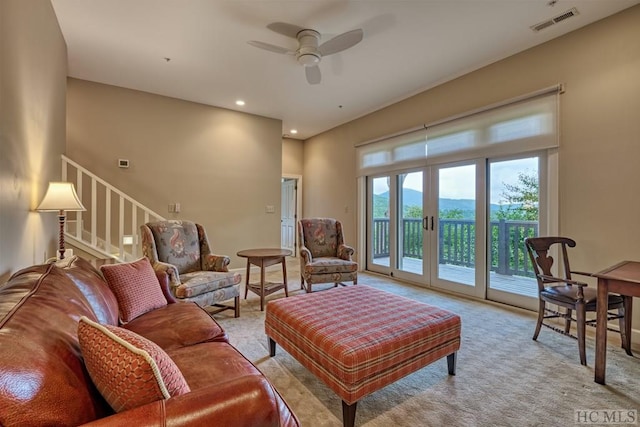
(457, 182)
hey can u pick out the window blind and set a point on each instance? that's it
(397, 152)
(525, 124)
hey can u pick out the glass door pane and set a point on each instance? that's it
(410, 224)
(514, 195)
(379, 254)
(457, 224)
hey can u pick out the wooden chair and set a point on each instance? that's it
(567, 293)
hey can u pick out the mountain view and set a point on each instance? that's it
(414, 198)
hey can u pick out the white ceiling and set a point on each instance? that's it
(408, 46)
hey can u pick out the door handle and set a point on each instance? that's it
(432, 223)
(425, 224)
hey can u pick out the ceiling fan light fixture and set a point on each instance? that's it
(308, 59)
(309, 52)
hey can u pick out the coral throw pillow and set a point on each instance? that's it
(135, 286)
(128, 370)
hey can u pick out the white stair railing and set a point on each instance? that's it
(109, 226)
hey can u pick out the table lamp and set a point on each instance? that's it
(60, 197)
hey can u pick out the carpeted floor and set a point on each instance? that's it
(503, 377)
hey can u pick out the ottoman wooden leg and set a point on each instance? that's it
(348, 414)
(451, 363)
(272, 347)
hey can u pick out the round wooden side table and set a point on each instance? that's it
(264, 258)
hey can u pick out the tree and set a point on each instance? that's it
(520, 204)
(412, 211)
(521, 199)
(452, 214)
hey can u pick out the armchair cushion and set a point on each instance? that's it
(177, 243)
(320, 236)
(128, 370)
(330, 265)
(200, 282)
(136, 288)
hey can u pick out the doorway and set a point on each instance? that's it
(420, 231)
(290, 210)
(460, 226)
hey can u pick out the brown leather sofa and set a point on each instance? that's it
(43, 380)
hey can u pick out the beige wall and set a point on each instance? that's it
(292, 156)
(600, 142)
(600, 135)
(236, 160)
(222, 166)
(33, 69)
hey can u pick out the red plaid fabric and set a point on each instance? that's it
(358, 339)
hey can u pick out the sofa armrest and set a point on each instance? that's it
(213, 262)
(345, 252)
(248, 401)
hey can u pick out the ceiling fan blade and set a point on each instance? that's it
(313, 74)
(270, 47)
(341, 42)
(285, 29)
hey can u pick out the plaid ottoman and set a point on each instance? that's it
(358, 339)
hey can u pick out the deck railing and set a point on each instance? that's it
(456, 243)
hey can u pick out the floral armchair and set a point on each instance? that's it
(324, 258)
(181, 249)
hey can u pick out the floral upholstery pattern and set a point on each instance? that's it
(324, 258)
(177, 243)
(200, 282)
(181, 249)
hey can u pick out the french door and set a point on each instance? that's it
(396, 223)
(458, 230)
(460, 226)
(409, 240)
(518, 195)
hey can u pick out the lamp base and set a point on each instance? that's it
(61, 250)
(68, 253)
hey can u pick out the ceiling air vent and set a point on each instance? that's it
(549, 22)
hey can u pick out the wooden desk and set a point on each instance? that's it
(624, 279)
(264, 258)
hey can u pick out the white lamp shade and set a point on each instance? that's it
(60, 196)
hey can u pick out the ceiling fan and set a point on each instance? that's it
(309, 52)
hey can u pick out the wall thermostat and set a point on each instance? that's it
(123, 163)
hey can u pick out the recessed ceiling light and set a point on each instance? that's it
(294, 131)
(240, 102)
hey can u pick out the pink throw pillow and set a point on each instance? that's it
(135, 286)
(128, 369)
